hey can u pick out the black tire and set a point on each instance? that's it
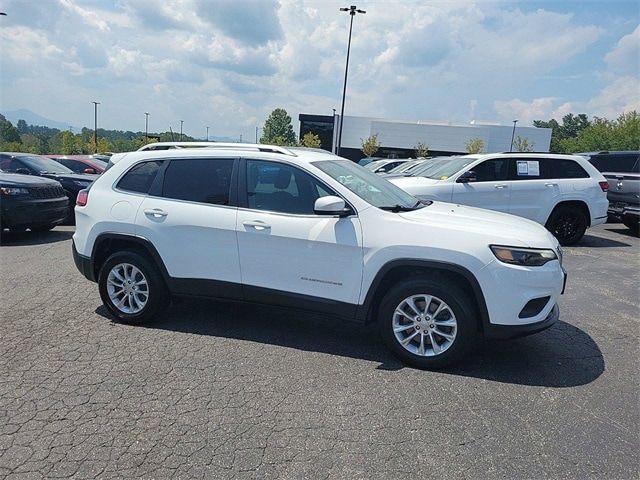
(43, 228)
(157, 298)
(449, 292)
(568, 224)
(632, 224)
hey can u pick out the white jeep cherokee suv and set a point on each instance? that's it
(307, 229)
(563, 192)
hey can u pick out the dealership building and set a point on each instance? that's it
(398, 139)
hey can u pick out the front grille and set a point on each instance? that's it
(46, 192)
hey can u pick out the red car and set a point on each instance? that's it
(80, 163)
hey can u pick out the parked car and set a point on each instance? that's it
(300, 228)
(422, 169)
(367, 160)
(405, 168)
(563, 192)
(80, 163)
(36, 203)
(383, 166)
(28, 164)
(622, 171)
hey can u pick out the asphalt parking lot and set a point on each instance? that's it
(240, 391)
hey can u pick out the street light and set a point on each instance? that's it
(207, 134)
(512, 134)
(181, 122)
(146, 127)
(352, 11)
(95, 125)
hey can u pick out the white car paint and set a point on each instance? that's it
(333, 258)
(534, 199)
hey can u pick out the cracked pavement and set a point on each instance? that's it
(242, 391)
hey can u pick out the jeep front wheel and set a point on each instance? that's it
(427, 323)
(131, 288)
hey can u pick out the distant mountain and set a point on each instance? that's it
(34, 119)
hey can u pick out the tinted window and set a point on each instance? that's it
(203, 180)
(491, 170)
(9, 164)
(140, 177)
(278, 187)
(523, 168)
(43, 164)
(615, 163)
(74, 165)
(561, 168)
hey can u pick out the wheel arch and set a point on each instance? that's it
(393, 271)
(109, 243)
(581, 204)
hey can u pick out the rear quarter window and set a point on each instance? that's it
(564, 168)
(140, 177)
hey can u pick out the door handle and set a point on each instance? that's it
(257, 224)
(550, 184)
(500, 186)
(156, 212)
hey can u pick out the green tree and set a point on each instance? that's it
(571, 127)
(475, 145)
(69, 144)
(370, 145)
(310, 140)
(602, 134)
(22, 127)
(8, 133)
(421, 149)
(278, 129)
(522, 144)
(33, 144)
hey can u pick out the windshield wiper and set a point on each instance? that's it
(403, 208)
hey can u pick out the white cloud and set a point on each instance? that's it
(625, 56)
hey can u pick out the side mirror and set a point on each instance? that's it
(466, 177)
(331, 205)
(23, 171)
(89, 170)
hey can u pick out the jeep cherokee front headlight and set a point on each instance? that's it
(527, 257)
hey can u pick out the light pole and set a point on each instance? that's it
(256, 134)
(352, 11)
(335, 136)
(181, 122)
(207, 134)
(513, 132)
(95, 126)
(146, 127)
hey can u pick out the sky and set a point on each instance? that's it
(227, 64)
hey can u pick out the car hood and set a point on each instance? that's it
(18, 180)
(499, 228)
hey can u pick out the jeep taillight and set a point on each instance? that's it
(604, 186)
(82, 198)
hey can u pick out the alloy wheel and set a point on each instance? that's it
(127, 288)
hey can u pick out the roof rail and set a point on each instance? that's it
(231, 145)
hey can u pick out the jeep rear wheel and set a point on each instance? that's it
(567, 224)
(131, 288)
(427, 323)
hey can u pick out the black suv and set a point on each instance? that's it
(622, 171)
(31, 202)
(28, 164)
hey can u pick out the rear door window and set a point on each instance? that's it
(202, 180)
(140, 178)
(565, 168)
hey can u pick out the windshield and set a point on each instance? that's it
(41, 164)
(375, 164)
(449, 167)
(99, 163)
(406, 166)
(370, 187)
(428, 166)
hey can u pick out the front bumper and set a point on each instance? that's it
(33, 213)
(83, 264)
(514, 331)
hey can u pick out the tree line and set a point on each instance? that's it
(45, 140)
